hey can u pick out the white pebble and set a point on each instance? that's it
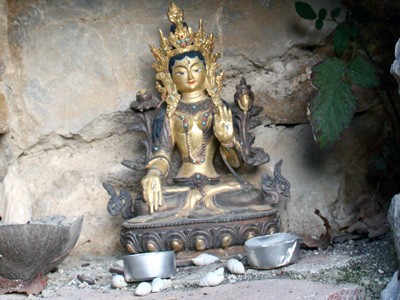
(213, 278)
(157, 285)
(167, 283)
(204, 259)
(118, 282)
(220, 271)
(143, 289)
(234, 266)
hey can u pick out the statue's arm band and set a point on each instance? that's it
(157, 171)
(229, 145)
(159, 163)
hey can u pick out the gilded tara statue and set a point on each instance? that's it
(197, 209)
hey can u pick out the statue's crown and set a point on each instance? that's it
(182, 40)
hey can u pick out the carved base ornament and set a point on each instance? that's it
(196, 210)
(198, 234)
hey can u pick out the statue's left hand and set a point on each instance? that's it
(223, 125)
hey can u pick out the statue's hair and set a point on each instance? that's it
(190, 54)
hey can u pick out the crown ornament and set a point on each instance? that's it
(183, 40)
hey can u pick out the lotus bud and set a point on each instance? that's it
(244, 96)
(245, 102)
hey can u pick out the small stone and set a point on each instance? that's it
(118, 282)
(212, 278)
(116, 269)
(157, 285)
(167, 283)
(279, 272)
(204, 259)
(143, 289)
(86, 279)
(235, 267)
(120, 263)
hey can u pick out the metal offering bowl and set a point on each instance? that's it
(147, 266)
(273, 251)
(34, 249)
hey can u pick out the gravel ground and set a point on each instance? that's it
(368, 263)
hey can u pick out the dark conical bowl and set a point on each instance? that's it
(33, 249)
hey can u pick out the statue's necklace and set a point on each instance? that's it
(197, 156)
(194, 108)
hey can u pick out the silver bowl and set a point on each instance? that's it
(147, 266)
(273, 251)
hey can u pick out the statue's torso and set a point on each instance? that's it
(192, 127)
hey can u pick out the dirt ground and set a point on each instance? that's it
(366, 264)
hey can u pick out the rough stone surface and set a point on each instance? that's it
(18, 208)
(394, 220)
(4, 109)
(324, 180)
(395, 68)
(69, 71)
(3, 114)
(392, 291)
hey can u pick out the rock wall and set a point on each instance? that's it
(70, 69)
(3, 114)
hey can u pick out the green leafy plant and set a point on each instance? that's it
(333, 108)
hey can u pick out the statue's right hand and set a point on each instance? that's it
(152, 193)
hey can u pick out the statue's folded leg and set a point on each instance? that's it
(238, 198)
(235, 199)
(183, 202)
(176, 200)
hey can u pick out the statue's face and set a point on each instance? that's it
(189, 74)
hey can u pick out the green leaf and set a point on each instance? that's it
(330, 72)
(318, 24)
(305, 11)
(335, 12)
(331, 112)
(322, 14)
(332, 109)
(341, 38)
(362, 73)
